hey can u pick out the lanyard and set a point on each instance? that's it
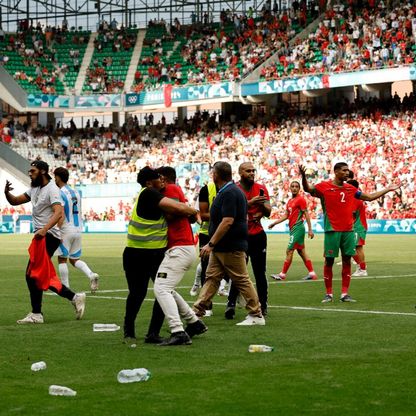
(225, 186)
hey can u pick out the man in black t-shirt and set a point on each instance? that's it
(146, 244)
(227, 246)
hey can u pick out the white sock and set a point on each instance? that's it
(81, 265)
(198, 271)
(64, 274)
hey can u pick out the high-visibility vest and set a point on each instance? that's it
(144, 233)
(212, 193)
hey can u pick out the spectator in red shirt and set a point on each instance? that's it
(178, 259)
(258, 206)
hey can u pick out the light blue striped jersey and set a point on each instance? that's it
(72, 209)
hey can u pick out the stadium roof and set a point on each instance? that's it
(87, 13)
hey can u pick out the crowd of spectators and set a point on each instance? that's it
(103, 75)
(352, 39)
(224, 52)
(377, 139)
(37, 47)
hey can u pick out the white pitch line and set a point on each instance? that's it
(295, 308)
(285, 282)
(308, 308)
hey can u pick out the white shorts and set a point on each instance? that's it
(70, 246)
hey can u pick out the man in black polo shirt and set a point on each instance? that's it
(227, 246)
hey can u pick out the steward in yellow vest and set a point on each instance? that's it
(146, 244)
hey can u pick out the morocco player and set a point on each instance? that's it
(296, 211)
(338, 203)
(360, 229)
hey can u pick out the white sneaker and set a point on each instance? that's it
(79, 304)
(360, 273)
(252, 320)
(223, 292)
(94, 282)
(339, 263)
(195, 290)
(208, 313)
(280, 276)
(31, 318)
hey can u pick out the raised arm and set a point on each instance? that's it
(307, 187)
(278, 221)
(376, 195)
(14, 200)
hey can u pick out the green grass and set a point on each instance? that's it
(326, 361)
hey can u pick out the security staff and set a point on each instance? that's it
(146, 243)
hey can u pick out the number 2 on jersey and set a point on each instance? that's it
(342, 196)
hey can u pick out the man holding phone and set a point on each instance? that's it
(258, 206)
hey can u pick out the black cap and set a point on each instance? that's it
(41, 165)
(146, 174)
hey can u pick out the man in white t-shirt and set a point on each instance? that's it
(71, 232)
(46, 213)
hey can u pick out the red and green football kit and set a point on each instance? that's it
(360, 223)
(338, 204)
(295, 209)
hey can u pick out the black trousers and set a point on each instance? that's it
(203, 240)
(141, 265)
(36, 294)
(257, 249)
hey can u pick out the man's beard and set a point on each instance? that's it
(36, 182)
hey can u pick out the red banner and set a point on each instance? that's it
(167, 93)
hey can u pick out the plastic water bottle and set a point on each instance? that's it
(41, 365)
(61, 391)
(105, 327)
(131, 376)
(260, 348)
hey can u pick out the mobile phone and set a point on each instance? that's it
(261, 193)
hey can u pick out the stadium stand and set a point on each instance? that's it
(113, 49)
(375, 137)
(44, 61)
(213, 52)
(350, 39)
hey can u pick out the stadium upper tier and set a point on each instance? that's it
(379, 148)
(110, 62)
(48, 60)
(351, 39)
(44, 61)
(213, 52)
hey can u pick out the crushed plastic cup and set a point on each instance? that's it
(105, 327)
(40, 365)
(55, 390)
(134, 375)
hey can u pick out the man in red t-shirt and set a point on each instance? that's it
(338, 204)
(258, 201)
(296, 211)
(178, 259)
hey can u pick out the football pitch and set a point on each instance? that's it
(331, 359)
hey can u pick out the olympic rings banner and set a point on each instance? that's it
(190, 93)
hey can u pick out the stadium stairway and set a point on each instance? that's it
(134, 60)
(255, 75)
(85, 64)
